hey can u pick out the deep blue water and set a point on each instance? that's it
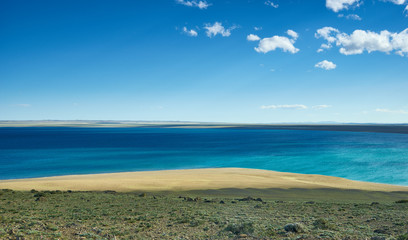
(39, 152)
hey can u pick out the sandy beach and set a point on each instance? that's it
(194, 179)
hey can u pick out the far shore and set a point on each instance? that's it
(194, 179)
(349, 127)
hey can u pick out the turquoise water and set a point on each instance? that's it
(39, 152)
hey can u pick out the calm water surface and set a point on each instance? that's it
(39, 152)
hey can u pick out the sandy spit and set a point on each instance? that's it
(194, 179)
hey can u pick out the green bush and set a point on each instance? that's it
(39, 194)
(403, 237)
(195, 223)
(52, 227)
(243, 228)
(322, 223)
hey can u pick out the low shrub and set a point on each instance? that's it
(243, 228)
(322, 223)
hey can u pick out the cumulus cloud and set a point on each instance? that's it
(326, 33)
(257, 28)
(327, 65)
(191, 32)
(406, 11)
(270, 3)
(350, 16)
(384, 110)
(295, 107)
(253, 37)
(337, 5)
(217, 28)
(293, 34)
(324, 46)
(271, 44)
(361, 40)
(194, 3)
(398, 2)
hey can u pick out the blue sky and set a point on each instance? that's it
(213, 61)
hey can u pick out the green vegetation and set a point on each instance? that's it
(194, 215)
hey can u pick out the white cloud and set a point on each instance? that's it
(406, 11)
(191, 32)
(360, 41)
(284, 43)
(270, 3)
(194, 3)
(400, 42)
(337, 5)
(217, 28)
(384, 110)
(203, 5)
(293, 34)
(350, 16)
(324, 46)
(323, 106)
(257, 28)
(325, 33)
(253, 37)
(286, 106)
(272, 43)
(327, 65)
(398, 2)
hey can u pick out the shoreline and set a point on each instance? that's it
(397, 128)
(194, 179)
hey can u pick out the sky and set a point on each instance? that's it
(241, 61)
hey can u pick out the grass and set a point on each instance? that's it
(196, 215)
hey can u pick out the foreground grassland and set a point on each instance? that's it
(200, 215)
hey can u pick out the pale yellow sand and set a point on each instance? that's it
(195, 179)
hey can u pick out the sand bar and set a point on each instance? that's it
(194, 179)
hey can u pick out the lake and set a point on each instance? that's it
(51, 151)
